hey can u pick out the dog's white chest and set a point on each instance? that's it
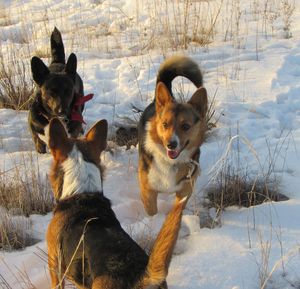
(162, 177)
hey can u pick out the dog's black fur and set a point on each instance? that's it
(58, 88)
(108, 249)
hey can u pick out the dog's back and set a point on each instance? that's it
(94, 246)
(107, 251)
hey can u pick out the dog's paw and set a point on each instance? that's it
(40, 146)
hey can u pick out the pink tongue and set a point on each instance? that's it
(172, 154)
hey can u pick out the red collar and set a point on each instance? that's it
(76, 114)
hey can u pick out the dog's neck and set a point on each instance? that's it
(79, 176)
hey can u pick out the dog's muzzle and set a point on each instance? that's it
(174, 154)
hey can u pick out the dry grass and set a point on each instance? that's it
(4, 17)
(234, 185)
(14, 232)
(236, 188)
(15, 88)
(23, 191)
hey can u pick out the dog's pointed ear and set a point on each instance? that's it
(97, 136)
(59, 143)
(39, 70)
(71, 65)
(162, 96)
(199, 101)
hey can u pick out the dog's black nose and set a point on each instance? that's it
(172, 145)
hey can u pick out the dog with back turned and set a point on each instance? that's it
(59, 88)
(86, 242)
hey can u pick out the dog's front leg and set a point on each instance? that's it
(148, 195)
(149, 199)
(39, 145)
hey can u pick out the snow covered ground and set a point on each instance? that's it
(255, 77)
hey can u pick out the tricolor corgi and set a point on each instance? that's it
(170, 134)
(86, 242)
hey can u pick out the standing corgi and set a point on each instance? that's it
(170, 134)
(59, 93)
(86, 242)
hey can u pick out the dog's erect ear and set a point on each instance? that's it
(39, 70)
(59, 143)
(162, 96)
(199, 101)
(97, 136)
(71, 65)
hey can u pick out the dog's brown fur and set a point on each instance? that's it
(163, 121)
(112, 260)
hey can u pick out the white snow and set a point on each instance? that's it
(255, 76)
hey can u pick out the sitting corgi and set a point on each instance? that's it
(86, 242)
(170, 134)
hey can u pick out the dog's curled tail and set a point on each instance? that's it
(161, 254)
(57, 47)
(179, 65)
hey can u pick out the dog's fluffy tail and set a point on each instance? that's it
(179, 65)
(160, 257)
(57, 47)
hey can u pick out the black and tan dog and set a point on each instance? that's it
(86, 242)
(59, 92)
(170, 134)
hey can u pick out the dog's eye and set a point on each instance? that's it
(185, 126)
(165, 125)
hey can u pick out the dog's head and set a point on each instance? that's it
(180, 127)
(76, 167)
(57, 89)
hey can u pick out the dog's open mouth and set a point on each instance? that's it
(174, 154)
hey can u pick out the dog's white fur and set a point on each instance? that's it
(79, 175)
(45, 137)
(163, 170)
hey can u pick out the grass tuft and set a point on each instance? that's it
(14, 232)
(15, 88)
